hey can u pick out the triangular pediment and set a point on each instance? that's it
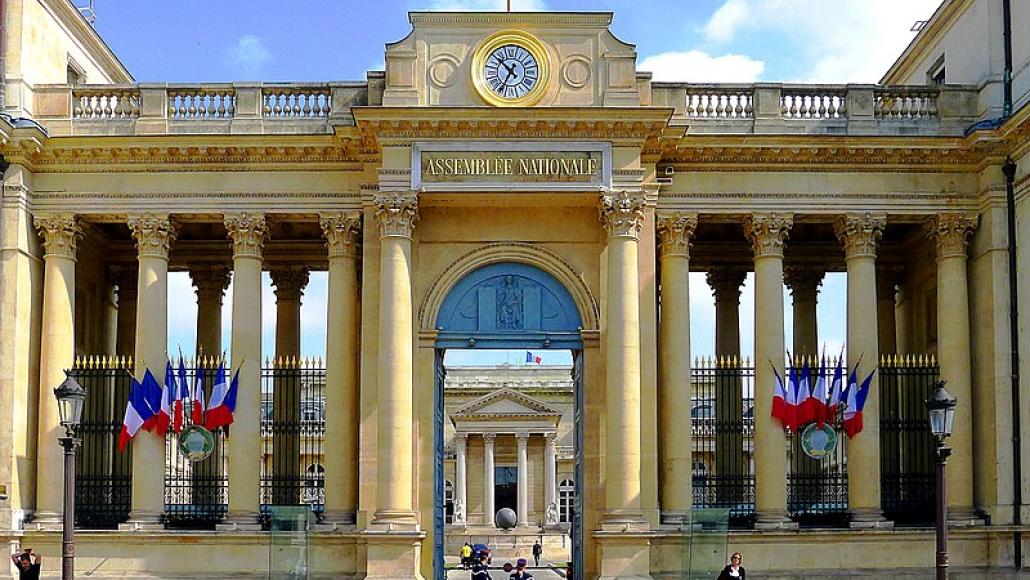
(506, 402)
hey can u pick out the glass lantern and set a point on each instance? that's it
(941, 407)
(71, 398)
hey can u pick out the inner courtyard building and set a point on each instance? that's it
(511, 181)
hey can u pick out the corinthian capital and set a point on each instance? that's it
(675, 231)
(61, 233)
(860, 233)
(342, 233)
(622, 214)
(768, 232)
(211, 282)
(951, 232)
(248, 232)
(396, 214)
(803, 282)
(154, 234)
(289, 281)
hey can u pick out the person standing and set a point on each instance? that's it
(481, 570)
(538, 551)
(520, 572)
(733, 570)
(466, 556)
(29, 564)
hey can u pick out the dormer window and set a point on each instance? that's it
(936, 75)
(76, 74)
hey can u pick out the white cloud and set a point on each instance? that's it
(249, 54)
(486, 5)
(844, 41)
(699, 66)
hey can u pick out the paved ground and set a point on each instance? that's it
(538, 574)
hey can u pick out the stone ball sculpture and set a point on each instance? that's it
(505, 519)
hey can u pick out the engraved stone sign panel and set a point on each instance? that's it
(506, 166)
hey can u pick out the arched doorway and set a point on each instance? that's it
(508, 305)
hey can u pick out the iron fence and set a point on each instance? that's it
(907, 476)
(292, 434)
(722, 427)
(196, 492)
(817, 481)
(103, 484)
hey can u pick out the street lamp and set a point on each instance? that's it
(941, 407)
(70, 399)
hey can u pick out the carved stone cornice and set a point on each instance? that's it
(726, 283)
(127, 281)
(289, 281)
(768, 232)
(622, 214)
(61, 233)
(951, 232)
(888, 278)
(154, 234)
(675, 233)
(396, 214)
(211, 282)
(803, 282)
(247, 232)
(860, 233)
(342, 231)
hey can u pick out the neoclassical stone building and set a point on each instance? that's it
(511, 180)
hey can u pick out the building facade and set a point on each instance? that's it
(511, 180)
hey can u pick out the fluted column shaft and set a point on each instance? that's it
(726, 282)
(343, 321)
(622, 217)
(522, 487)
(289, 283)
(951, 232)
(154, 235)
(396, 216)
(460, 477)
(803, 283)
(488, 479)
(674, 390)
(860, 234)
(550, 477)
(768, 233)
(247, 232)
(60, 233)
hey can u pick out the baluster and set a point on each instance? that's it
(222, 99)
(212, 99)
(192, 108)
(748, 110)
(720, 108)
(932, 105)
(230, 105)
(842, 107)
(171, 105)
(709, 105)
(77, 110)
(784, 105)
(738, 106)
(107, 111)
(266, 101)
(278, 109)
(691, 108)
(906, 105)
(822, 106)
(296, 105)
(88, 105)
(307, 104)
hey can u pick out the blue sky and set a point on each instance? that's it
(688, 40)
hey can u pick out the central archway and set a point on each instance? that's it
(507, 305)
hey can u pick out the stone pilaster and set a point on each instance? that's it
(343, 329)
(154, 235)
(622, 539)
(248, 232)
(951, 232)
(860, 234)
(675, 492)
(768, 233)
(61, 234)
(803, 283)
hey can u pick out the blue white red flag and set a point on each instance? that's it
(182, 392)
(820, 394)
(197, 406)
(223, 400)
(137, 412)
(836, 397)
(780, 409)
(151, 392)
(532, 358)
(857, 396)
(164, 412)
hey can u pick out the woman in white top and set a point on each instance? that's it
(733, 571)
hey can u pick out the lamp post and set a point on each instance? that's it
(941, 408)
(70, 399)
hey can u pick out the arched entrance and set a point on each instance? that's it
(508, 305)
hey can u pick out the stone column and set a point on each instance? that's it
(247, 232)
(211, 283)
(343, 348)
(61, 234)
(522, 486)
(888, 278)
(550, 479)
(729, 386)
(803, 283)
(125, 278)
(154, 235)
(289, 283)
(396, 215)
(860, 234)
(488, 479)
(768, 233)
(460, 477)
(674, 386)
(951, 232)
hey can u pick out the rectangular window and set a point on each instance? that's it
(936, 75)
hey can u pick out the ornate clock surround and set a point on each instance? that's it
(518, 38)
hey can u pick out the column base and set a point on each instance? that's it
(394, 520)
(623, 520)
(240, 521)
(391, 554)
(766, 520)
(869, 519)
(963, 517)
(339, 518)
(46, 521)
(623, 554)
(675, 518)
(142, 521)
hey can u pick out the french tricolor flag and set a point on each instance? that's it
(137, 412)
(532, 358)
(223, 400)
(182, 392)
(197, 397)
(856, 398)
(164, 412)
(151, 392)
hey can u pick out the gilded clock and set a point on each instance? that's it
(511, 69)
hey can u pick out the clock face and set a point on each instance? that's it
(511, 71)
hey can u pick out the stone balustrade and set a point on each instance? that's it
(813, 102)
(719, 101)
(202, 102)
(291, 101)
(906, 102)
(110, 102)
